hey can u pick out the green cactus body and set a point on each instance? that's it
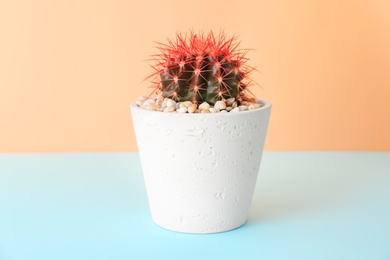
(198, 69)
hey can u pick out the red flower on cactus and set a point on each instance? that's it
(202, 67)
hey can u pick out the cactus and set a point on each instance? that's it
(199, 67)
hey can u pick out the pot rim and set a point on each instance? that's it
(266, 105)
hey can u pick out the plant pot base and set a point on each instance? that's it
(190, 230)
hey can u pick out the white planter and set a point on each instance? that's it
(200, 170)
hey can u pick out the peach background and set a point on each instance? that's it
(69, 69)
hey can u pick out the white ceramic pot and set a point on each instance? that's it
(200, 170)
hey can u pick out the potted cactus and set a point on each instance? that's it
(200, 134)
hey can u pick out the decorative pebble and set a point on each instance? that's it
(152, 107)
(243, 108)
(229, 108)
(234, 104)
(148, 102)
(204, 105)
(182, 110)
(192, 108)
(230, 101)
(171, 103)
(204, 111)
(169, 109)
(224, 111)
(186, 104)
(234, 110)
(220, 105)
(254, 106)
(163, 105)
(213, 110)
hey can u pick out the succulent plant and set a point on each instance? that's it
(202, 67)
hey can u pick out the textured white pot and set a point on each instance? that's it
(200, 170)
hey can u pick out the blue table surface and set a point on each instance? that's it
(307, 205)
